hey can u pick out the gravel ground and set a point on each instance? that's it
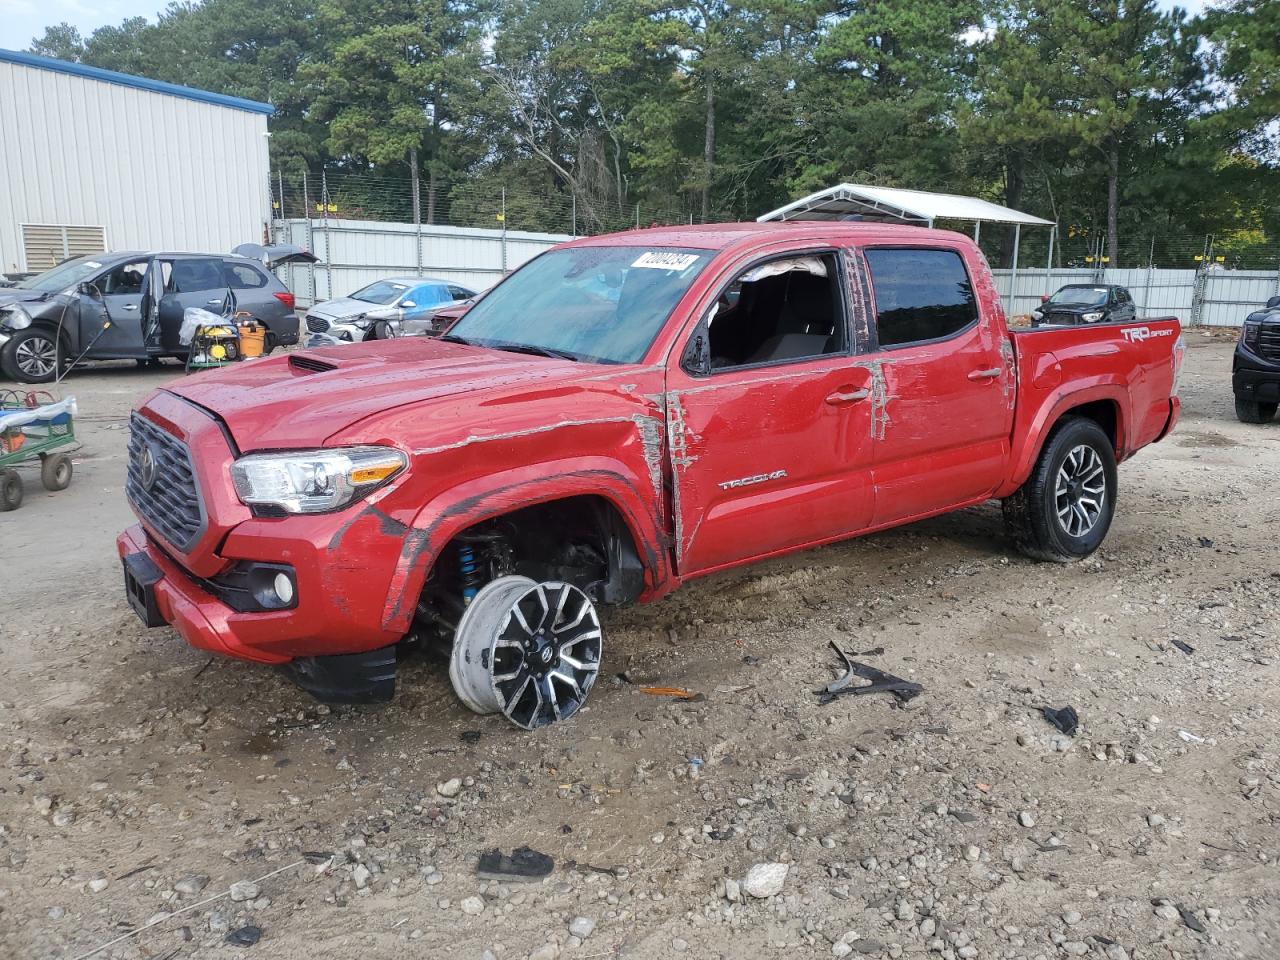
(142, 779)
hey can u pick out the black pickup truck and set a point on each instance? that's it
(1255, 370)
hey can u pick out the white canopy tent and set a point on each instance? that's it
(858, 201)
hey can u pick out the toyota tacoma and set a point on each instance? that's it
(622, 414)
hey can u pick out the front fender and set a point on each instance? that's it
(460, 507)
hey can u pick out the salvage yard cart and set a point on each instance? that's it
(34, 426)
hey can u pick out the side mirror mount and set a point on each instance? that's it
(697, 354)
(87, 289)
(408, 304)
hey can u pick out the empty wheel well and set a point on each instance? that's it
(581, 540)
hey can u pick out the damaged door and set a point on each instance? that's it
(768, 419)
(948, 382)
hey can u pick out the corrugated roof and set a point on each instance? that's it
(128, 80)
(847, 200)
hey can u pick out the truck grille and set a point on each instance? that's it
(165, 494)
(317, 324)
(1053, 316)
(1269, 341)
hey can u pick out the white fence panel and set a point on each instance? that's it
(1231, 295)
(354, 253)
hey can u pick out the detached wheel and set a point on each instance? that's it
(32, 356)
(1252, 411)
(10, 490)
(528, 650)
(1064, 510)
(55, 471)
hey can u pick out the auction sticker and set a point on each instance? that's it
(665, 260)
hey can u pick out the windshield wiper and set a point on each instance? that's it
(510, 347)
(536, 351)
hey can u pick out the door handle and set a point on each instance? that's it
(985, 374)
(213, 303)
(847, 396)
(131, 306)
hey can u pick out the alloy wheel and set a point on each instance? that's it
(528, 650)
(36, 357)
(1080, 492)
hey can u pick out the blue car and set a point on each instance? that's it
(394, 307)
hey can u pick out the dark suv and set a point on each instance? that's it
(1078, 303)
(129, 305)
(1255, 370)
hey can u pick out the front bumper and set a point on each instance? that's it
(1256, 382)
(323, 623)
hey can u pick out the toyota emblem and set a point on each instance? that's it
(147, 468)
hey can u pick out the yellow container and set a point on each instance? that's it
(253, 339)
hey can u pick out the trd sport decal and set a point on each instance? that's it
(1137, 334)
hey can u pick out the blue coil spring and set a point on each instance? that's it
(470, 571)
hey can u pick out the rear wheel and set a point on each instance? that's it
(528, 650)
(1064, 510)
(10, 490)
(1253, 411)
(55, 471)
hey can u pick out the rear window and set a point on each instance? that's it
(920, 294)
(241, 276)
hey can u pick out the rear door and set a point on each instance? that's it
(948, 382)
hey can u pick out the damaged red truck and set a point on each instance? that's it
(620, 415)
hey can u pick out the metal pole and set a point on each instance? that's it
(1146, 293)
(1013, 274)
(1048, 263)
(417, 211)
(504, 230)
(574, 215)
(311, 237)
(977, 231)
(328, 247)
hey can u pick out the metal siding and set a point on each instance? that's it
(157, 171)
(354, 253)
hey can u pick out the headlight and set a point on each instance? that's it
(314, 481)
(15, 317)
(1092, 317)
(1249, 334)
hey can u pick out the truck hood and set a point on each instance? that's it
(301, 399)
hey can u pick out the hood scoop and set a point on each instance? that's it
(304, 363)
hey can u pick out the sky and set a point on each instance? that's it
(21, 21)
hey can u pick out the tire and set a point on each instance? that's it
(1254, 411)
(55, 471)
(1064, 510)
(10, 490)
(32, 356)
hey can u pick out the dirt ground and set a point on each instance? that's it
(141, 779)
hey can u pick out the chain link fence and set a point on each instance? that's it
(366, 224)
(485, 202)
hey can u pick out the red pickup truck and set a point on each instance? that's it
(620, 415)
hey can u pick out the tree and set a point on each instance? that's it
(385, 86)
(1244, 53)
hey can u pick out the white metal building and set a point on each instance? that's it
(94, 160)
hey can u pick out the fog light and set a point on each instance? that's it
(284, 588)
